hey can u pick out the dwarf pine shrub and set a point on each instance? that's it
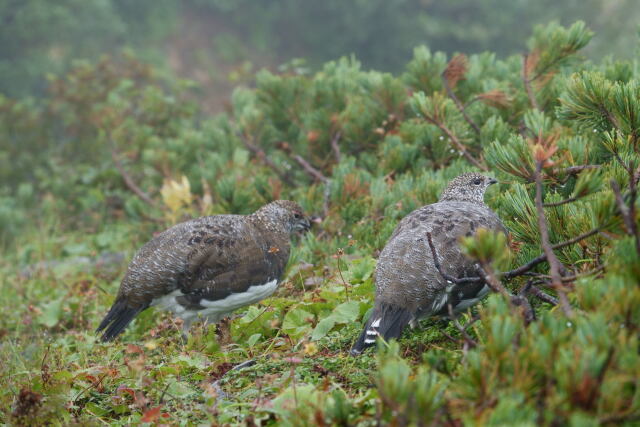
(116, 152)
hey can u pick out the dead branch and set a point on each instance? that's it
(130, 183)
(554, 264)
(527, 82)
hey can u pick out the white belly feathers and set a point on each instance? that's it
(215, 310)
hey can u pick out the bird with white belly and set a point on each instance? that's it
(208, 267)
(409, 285)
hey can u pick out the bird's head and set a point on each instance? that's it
(284, 215)
(468, 187)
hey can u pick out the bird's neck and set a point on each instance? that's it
(445, 198)
(265, 223)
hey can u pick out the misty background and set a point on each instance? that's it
(221, 43)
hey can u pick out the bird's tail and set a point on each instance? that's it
(118, 317)
(386, 321)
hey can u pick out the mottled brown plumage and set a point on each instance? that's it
(209, 266)
(408, 284)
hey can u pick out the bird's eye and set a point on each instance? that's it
(297, 215)
(477, 181)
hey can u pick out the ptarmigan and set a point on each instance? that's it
(208, 267)
(408, 284)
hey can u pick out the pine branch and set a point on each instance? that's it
(574, 170)
(309, 169)
(456, 101)
(260, 154)
(554, 264)
(527, 82)
(561, 202)
(459, 145)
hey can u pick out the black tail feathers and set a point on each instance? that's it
(386, 321)
(118, 317)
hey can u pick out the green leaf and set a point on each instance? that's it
(344, 313)
(253, 339)
(296, 323)
(51, 313)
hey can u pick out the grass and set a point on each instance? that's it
(55, 370)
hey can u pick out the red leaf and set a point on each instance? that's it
(132, 348)
(152, 414)
(124, 389)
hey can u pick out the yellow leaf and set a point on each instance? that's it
(176, 195)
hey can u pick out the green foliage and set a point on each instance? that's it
(116, 152)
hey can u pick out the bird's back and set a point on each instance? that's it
(406, 274)
(165, 262)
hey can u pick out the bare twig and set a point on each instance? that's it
(310, 170)
(534, 290)
(335, 147)
(260, 154)
(527, 82)
(554, 265)
(456, 101)
(561, 202)
(129, 181)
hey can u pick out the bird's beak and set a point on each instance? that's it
(304, 225)
(493, 181)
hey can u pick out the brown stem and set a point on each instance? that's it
(335, 147)
(627, 212)
(554, 264)
(560, 203)
(129, 181)
(574, 170)
(310, 170)
(527, 83)
(456, 101)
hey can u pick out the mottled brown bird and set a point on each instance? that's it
(208, 267)
(408, 284)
